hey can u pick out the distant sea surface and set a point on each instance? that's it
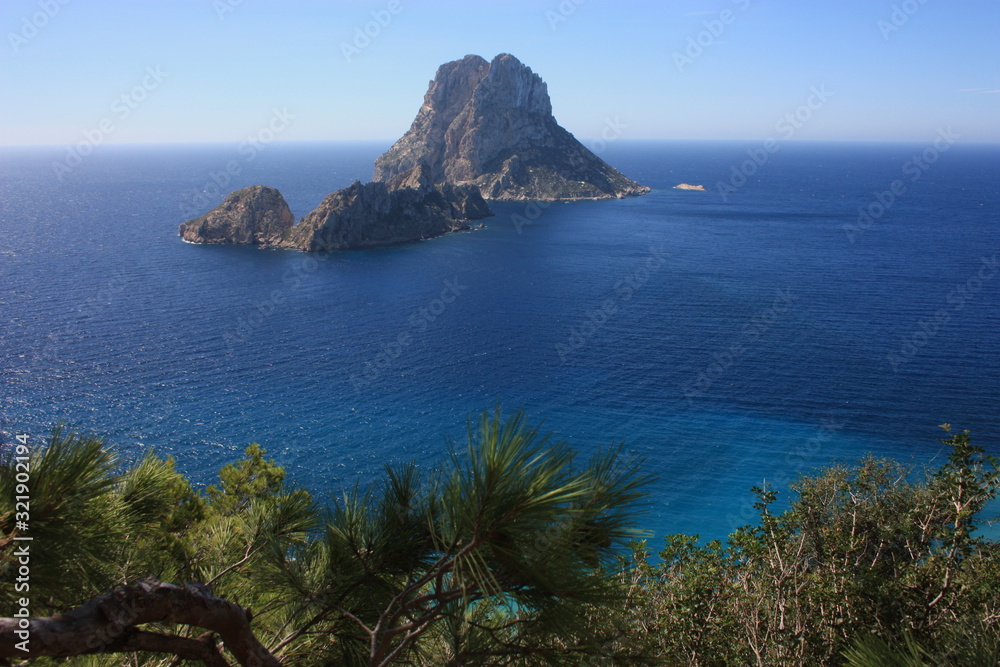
(806, 315)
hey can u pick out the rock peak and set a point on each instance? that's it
(256, 215)
(490, 124)
(513, 82)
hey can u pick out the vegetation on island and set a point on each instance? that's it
(511, 551)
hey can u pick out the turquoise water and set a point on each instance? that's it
(727, 340)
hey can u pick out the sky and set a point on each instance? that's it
(146, 71)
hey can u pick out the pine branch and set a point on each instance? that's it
(107, 624)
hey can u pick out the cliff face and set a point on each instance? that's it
(359, 216)
(367, 215)
(257, 215)
(491, 125)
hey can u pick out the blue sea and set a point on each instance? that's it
(830, 300)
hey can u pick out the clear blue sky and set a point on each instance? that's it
(609, 59)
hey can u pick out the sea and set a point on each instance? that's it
(817, 302)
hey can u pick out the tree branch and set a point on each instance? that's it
(106, 624)
(185, 648)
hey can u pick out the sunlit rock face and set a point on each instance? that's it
(490, 124)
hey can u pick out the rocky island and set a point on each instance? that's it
(358, 216)
(485, 131)
(490, 124)
(257, 215)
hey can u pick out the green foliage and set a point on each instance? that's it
(864, 551)
(97, 525)
(512, 552)
(246, 481)
(100, 527)
(506, 539)
(876, 652)
(969, 647)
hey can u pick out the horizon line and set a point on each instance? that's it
(194, 142)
